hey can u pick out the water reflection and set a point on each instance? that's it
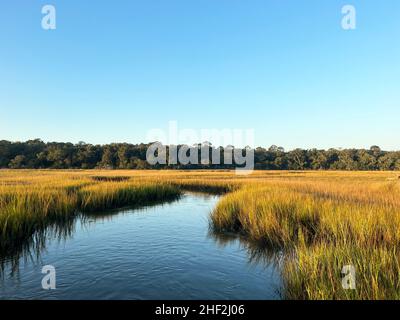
(161, 251)
(257, 253)
(31, 248)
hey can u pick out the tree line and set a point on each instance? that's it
(36, 154)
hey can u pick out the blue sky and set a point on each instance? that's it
(113, 70)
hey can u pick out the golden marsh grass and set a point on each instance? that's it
(321, 220)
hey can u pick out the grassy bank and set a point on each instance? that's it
(323, 226)
(321, 220)
(29, 202)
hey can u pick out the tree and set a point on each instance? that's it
(318, 159)
(107, 159)
(18, 162)
(376, 151)
(123, 156)
(38, 154)
(366, 161)
(297, 159)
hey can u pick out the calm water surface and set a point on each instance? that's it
(160, 252)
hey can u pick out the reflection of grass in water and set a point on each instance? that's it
(26, 208)
(93, 216)
(32, 248)
(60, 230)
(257, 253)
(324, 218)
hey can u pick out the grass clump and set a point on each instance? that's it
(30, 205)
(323, 226)
(316, 273)
(112, 195)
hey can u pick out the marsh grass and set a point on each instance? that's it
(320, 220)
(111, 195)
(323, 226)
(41, 200)
(315, 272)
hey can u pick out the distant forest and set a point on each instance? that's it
(36, 154)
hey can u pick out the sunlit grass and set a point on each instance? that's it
(321, 220)
(323, 226)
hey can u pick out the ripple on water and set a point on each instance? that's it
(160, 252)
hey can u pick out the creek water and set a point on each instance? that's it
(165, 251)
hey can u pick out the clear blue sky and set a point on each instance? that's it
(112, 70)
